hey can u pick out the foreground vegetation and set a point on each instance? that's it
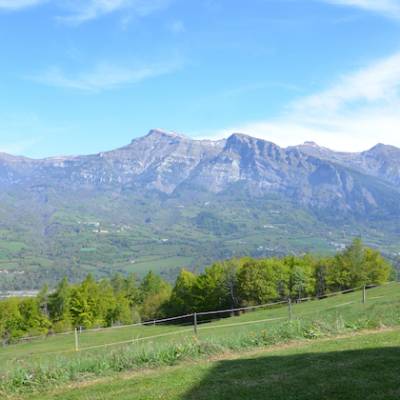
(27, 369)
(362, 367)
(230, 284)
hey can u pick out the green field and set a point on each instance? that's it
(154, 346)
(364, 367)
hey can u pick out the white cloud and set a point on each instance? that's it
(390, 8)
(355, 113)
(14, 5)
(378, 82)
(104, 76)
(82, 11)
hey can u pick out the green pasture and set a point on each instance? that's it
(347, 308)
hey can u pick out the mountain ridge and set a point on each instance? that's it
(172, 134)
(165, 161)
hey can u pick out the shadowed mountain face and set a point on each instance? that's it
(381, 161)
(166, 200)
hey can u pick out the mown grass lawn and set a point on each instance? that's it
(359, 367)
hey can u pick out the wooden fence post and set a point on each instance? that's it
(195, 323)
(76, 340)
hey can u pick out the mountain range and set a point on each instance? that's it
(166, 200)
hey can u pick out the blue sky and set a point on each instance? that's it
(80, 77)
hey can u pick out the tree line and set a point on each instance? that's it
(225, 284)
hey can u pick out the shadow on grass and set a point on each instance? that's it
(348, 375)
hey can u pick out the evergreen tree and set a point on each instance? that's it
(59, 306)
(155, 293)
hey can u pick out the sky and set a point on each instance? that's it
(80, 77)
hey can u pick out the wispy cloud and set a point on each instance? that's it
(104, 76)
(75, 12)
(390, 8)
(355, 113)
(13, 5)
(377, 82)
(83, 11)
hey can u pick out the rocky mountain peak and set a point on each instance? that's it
(311, 144)
(383, 149)
(159, 133)
(241, 141)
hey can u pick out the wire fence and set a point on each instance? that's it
(196, 321)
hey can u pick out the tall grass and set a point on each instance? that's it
(34, 376)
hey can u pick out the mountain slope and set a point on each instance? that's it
(165, 162)
(166, 200)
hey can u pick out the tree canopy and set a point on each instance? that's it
(227, 284)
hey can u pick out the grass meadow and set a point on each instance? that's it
(362, 367)
(45, 364)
